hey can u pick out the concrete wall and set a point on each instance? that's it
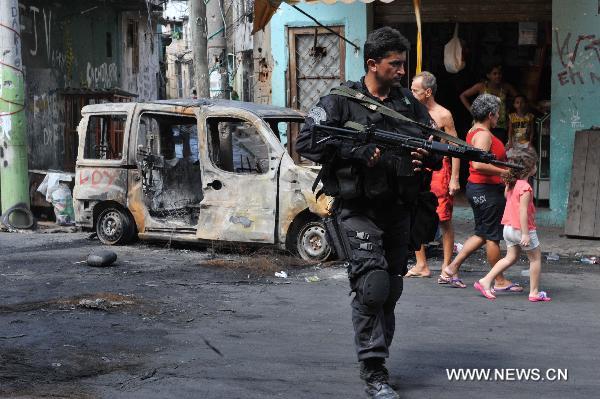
(575, 90)
(352, 16)
(76, 44)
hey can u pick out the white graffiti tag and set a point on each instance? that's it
(5, 127)
(104, 76)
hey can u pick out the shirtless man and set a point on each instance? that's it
(445, 182)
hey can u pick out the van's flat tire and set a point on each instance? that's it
(115, 227)
(311, 242)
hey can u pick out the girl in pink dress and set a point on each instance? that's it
(519, 228)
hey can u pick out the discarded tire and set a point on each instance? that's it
(18, 217)
(102, 258)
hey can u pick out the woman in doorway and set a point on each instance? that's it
(493, 84)
(485, 191)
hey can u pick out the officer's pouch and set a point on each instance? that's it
(349, 182)
(334, 237)
(375, 183)
(403, 165)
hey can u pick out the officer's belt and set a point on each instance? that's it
(373, 105)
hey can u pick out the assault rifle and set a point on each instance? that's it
(399, 142)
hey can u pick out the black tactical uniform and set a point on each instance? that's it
(372, 209)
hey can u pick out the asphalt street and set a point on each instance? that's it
(168, 322)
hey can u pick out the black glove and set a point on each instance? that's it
(363, 153)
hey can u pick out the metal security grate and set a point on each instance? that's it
(317, 65)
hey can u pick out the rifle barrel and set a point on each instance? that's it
(395, 139)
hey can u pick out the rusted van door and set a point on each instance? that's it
(101, 172)
(165, 184)
(240, 158)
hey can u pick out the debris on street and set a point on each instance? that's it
(102, 258)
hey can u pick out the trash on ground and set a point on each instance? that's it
(589, 261)
(101, 258)
(552, 256)
(311, 279)
(102, 303)
(59, 195)
(281, 274)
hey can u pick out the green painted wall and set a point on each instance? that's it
(575, 90)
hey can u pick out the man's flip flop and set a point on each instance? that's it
(411, 274)
(513, 287)
(541, 297)
(477, 285)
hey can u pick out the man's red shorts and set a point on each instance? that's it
(440, 182)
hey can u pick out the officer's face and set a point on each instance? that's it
(389, 70)
(420, 93)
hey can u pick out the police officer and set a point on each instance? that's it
(374, 193)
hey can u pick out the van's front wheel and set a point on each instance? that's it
(311, 242)
(115, 227)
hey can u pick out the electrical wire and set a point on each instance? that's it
(20, 70)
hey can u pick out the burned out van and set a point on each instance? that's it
(196, 170)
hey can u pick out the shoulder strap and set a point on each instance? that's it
(373, 105)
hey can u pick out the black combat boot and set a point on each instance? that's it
(374, 373)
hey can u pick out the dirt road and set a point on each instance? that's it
(188, 323)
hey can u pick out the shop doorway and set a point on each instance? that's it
(525, 66)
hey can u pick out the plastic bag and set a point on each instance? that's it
(453, 59)
(51, 182)
(62, 200)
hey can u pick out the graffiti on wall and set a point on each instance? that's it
(104, 76)
(47, 114)
(41, 36)
(580, 58)
(38, 22)
(12, 62)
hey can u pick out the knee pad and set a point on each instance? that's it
(374, 288)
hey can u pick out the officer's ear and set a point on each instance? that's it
(372, 65)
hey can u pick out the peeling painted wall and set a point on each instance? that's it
(353, 17)
(145, 82)
(76, 44)
(575, 89)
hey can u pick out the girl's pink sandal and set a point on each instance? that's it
(477, 285)
(541, 297)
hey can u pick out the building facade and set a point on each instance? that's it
(548, 48)
(81, 52)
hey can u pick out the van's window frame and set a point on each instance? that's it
(124, 138)
(236, 118)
